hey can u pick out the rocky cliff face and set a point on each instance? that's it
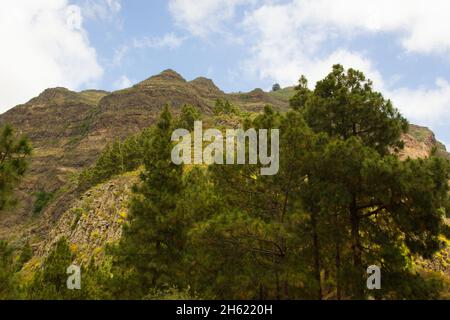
(70, 129)
(420, 142)
(56, 121)
(94, 220)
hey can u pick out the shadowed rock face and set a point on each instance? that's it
(56, 122)
(206, 88)
(130, 110)
(69, 130)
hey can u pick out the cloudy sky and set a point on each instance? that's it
(402, 45)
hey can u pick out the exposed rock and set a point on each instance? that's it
(93, 221)
(207, 88)
(70, 129)
(166, 75)
(420, 142)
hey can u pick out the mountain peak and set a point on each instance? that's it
(54, 91)
(170, 73)
(203, 79)
(206, 85)
(60, 95)
(53, 94)
(166, 75)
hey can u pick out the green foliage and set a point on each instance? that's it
(344, 105)
(14, 154)
(341, 201)
(302, 94)
(276, 87)
(378, 209)
(388, 208)
(170, 293)
(446, 231)
(284, 94)
(253, 242)
(224, 107)
(26, 254)
(42, 200)
(50, 281)
(151, 244)
(128, 155)
(189, 114)
(120, 157)
(7, 269)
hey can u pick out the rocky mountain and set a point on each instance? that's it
(69, 130)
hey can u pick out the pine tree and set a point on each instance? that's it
(344, 104)
(276, 87)
(381, 210)
(14, 154)
(25, 255)
(7, 269)
(254, 241)
(302, 94)
(117, 158)
(150, 245)
(50, 282)
(189, 114)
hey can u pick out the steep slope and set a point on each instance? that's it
(69, 129)
(256, 99)
(55, 121)
(93, 220)
(284, 94)
(130, 110)
(207, 89)
(420, 142)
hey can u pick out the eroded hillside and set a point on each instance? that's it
(70, 129)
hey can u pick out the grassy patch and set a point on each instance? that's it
(43, 198)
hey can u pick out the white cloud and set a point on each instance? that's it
(429, 106)
(423, 26)
(101, 9)
(283, 48)
(122, 83)
(43, 45)
(202, 17)
(169, 40)
(289, 38)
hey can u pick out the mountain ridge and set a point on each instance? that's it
(70, 129)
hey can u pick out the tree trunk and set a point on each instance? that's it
(278, 285)
(338, 259)
(316, 254)
(356, 249)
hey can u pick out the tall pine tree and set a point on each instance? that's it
(150, 245)
(381, 210)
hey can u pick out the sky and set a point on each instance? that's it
(403, 46)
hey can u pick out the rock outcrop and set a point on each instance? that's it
(70, 129)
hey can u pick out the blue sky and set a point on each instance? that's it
(403, 46)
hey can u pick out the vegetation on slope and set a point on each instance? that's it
(341, 201)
